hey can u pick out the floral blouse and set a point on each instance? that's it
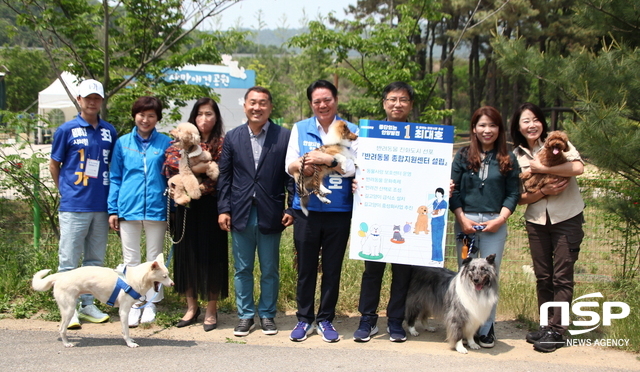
(172, 160)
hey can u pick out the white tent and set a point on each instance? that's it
(55, 103)
(55, 96)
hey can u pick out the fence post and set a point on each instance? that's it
(36, 208)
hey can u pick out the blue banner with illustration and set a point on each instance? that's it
(400, 206)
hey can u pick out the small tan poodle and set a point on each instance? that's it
(185, 185)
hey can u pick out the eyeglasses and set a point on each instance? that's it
(394, 100)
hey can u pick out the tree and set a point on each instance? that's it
(384, 52)
(12, 34)
(602, 84)
(126, 43)
(24, 80)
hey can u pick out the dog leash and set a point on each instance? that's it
(173, 245)
(167, 193)
(469, 245)
(302, 191)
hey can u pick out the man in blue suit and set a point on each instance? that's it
(251, 204)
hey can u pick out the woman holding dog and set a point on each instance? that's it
(201, 264)
(554, 221)
(486, 192)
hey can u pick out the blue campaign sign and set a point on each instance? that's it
(406, 131)
(214, 76)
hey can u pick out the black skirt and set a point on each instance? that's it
(201, 260)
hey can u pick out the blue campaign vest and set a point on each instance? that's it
(341, 196)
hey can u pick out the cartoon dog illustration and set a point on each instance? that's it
(422, 223)
(374, 242)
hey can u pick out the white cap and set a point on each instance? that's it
(90, 86)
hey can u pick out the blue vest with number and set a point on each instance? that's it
(341, 196)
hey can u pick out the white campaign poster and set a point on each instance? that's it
(401, 204)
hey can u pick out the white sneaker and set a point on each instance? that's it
(134, 316)
(75, 323)
(92, 314)
(148, 313)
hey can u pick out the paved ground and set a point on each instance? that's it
(34, 345)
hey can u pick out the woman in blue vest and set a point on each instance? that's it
(136, 195)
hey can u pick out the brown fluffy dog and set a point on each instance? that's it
(550, 155)
(337, 144)
(185, 185)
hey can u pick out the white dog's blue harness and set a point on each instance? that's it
(121, 285)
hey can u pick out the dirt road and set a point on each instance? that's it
(278, 353)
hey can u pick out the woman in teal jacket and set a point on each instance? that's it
(136, 193)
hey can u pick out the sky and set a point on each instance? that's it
(245, 11)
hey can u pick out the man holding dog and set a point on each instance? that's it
(326, 228)
(397, 100)
(251, 204)
(79, 165)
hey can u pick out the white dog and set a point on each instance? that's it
(101, 283)
(373, 243)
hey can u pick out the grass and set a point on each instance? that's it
(596, 269)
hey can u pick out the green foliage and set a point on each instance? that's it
(127, 43)
(24, 80)
(173, 96)
(613, 19)
(12, 34)
(20, 170)
(602, 84)
(384, 53)
(627, 291)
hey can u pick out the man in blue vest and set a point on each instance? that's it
(326, 228)
(397, 101)
(79, 165)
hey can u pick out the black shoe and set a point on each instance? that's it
(365, 330)
(184, 323)
(396, 332)
(536, 335)
(209, 327)
(268, 326)
(244, 327)
(549, 342)
(487, 341)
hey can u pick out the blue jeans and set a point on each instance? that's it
(244, 253)
(82, 234)
(489, 243)
(437, 233)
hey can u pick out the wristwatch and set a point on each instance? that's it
(334, 163)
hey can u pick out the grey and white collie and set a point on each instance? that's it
(462, 300)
